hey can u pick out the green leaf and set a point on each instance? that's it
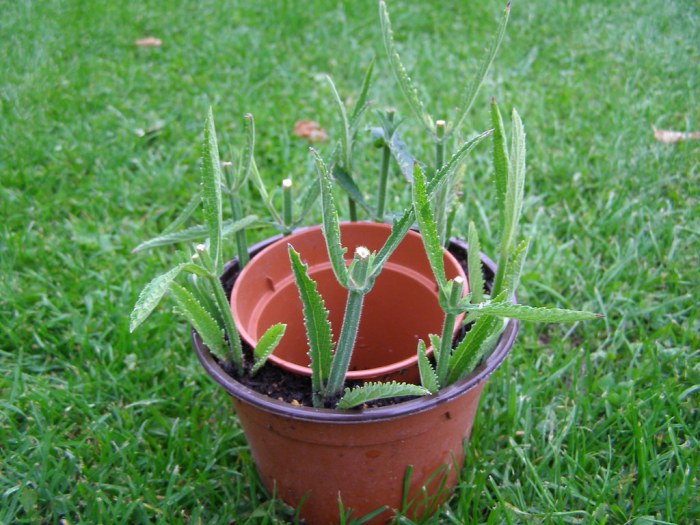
(399, 150)
(442, 175)
(345, 138)
(474, 270)
(436, 343)
(472, 89)
(195, 233)
(345, 181)
(501, 161)
(469, 351)
(151, 295)
(267, 344)
(211, 190)
(260, 186)
(331, 227)
(318, 327)
(249, 152)
(405, 83)
(514, 267)
(185, 214)
(211, 333)
(428, 377)
(515, 185)
(399, 229)
(373, 391)
(362, 103)
(428, 230)
(531, 313)
(307, 201)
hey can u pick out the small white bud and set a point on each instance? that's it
(440, 123)
(459, 280)
(362, 252)
(287, 183)
(201, 248)
(226, 164)
(195, 257)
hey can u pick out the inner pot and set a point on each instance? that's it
(401, 309)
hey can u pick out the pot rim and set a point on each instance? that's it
(385, 413)
(352, 375)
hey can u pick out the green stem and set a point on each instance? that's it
(287, 202)
(353, 209)
(241, 240)
(447, 332)
(383, 178)
(234, 340)
(346, 343)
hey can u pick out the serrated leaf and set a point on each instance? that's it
(373, 391)
(195, 233)
(185, 214)
(501, 161)
(405, 83)
(515, 185)
(473, 87)
(331, 226)
(474, 269)
(514, 268)
(531, 313)
(345, 181)
(345, 138)
(307, 201)
(428, 229)
(428, 377)
(211, 333)
(151, 295)
(211, 190)
(318, 327)
(399, 150)
(362, 103)
(399, 229)
(436, 344)
(257, 181)
(442, 175)
(267, 344)
(468, 352)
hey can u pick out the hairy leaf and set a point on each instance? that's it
(195, 233)
(428, 377)
(514, 268)
(345, 138)
(531, 313)
(318, 328)
(403, 157)
(185, 214)
(362, 103)
(428, 229)
(473, 87)
(373, 391)
(151, 295)
(260, 186)
(331, 226)
(345, 181)
(469, 351)
(211, 190)
(436, 343)
(515, 185)
(249, 153)
(501, 161)
(267, 344)
(211, 333)
(474, 270)
(442, 175)
(405, 83)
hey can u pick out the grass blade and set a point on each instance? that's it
(208, 329)
(405, 83)
(318, 328)
(185, 214)
(151, 295)
(211, 190)
(267, 344)
(473, 88)
(373, 391)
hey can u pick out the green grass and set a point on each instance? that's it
(595, 423)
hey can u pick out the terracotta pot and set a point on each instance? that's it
(315, 456)
(405, 293)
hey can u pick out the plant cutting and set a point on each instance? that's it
(376, 446)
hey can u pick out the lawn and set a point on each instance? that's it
(99, 147)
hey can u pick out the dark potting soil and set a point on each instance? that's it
(285, 386)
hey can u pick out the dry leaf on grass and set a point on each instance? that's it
(668, 137)
(149, 41)
(310, 130)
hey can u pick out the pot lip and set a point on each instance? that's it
(385, 413)
(353, 375)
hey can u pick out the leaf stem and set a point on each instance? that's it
(447, 332)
